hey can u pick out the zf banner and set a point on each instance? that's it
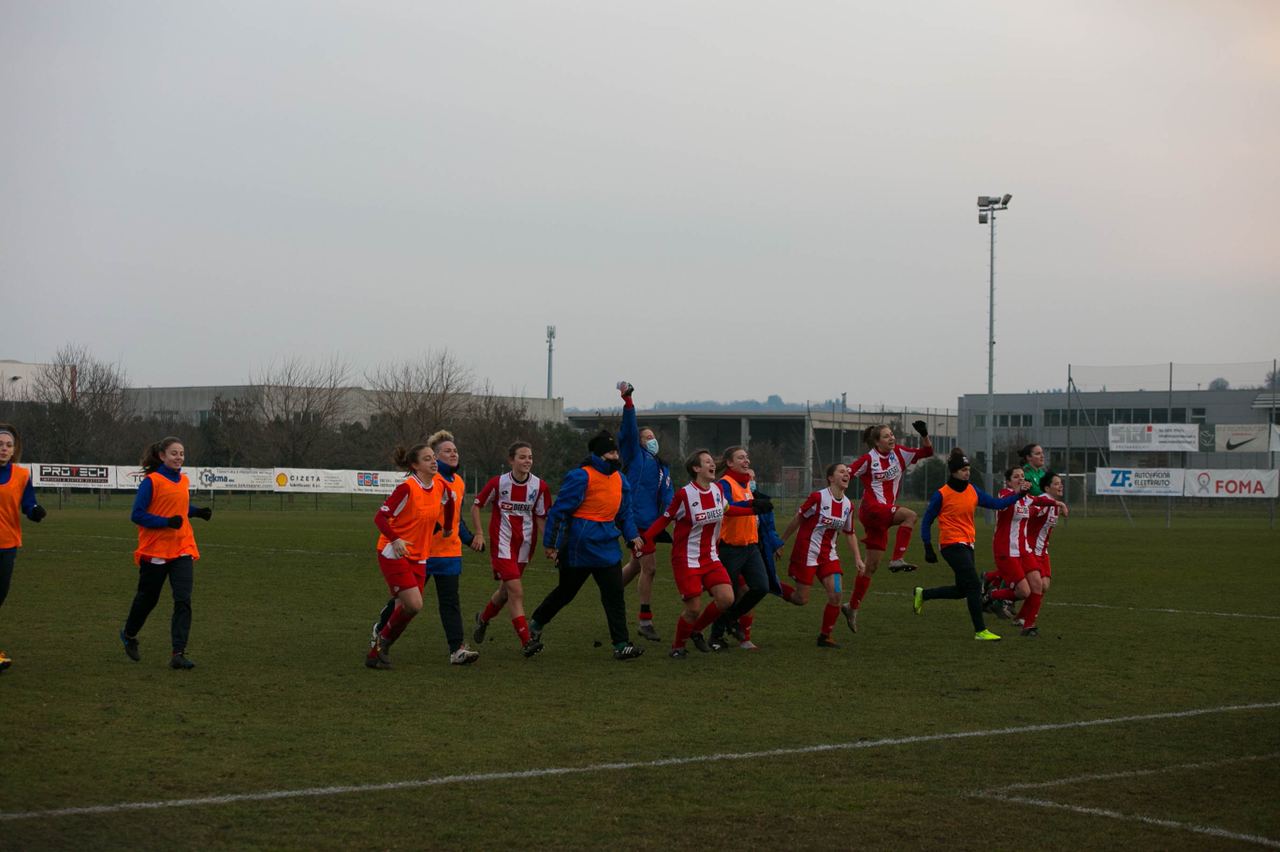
(1153, 437)
(1139, 482)
(1232, 483)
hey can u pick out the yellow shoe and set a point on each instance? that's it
(986, 636)
(917, 600)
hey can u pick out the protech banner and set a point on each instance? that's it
(73, 475)
(1247, 438)
(1231, 483)
(1153, 437)
(1139, 482)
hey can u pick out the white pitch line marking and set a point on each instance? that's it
(1131, 773)
(473, 778)
(1164, 610)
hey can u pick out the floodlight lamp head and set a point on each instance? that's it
(1005, 201)
(984, 201)
(982, 218)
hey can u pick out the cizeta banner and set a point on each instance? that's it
(1247, 438)
(1232, 483)
(312, 481)
(1139, 482)
(1153, 437)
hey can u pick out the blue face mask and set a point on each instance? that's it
(652, 445)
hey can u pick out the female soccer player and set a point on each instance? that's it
(1032, 456)
(954, 505)
(166, 547)
(821, 518)
(1036, 559)
(881, 470)
(739, 542)
(593, 505)
(1009, 544)
(17, 498)
(651, 492)
(770, 546)
(406, 521)
(520, 501)
(697, 510)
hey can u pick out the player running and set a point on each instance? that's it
(1032, 456)
(1009, 545)
(17, 498)
(881, 470)
(406, 521)
(520, 501)
(651, 493)
(166, 547)
(821, 519)
(1040, 527)
(954, 505)
(739, 542)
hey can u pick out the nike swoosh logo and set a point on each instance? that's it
(1234, 445)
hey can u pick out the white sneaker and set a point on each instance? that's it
(1017, 622)
(464, 656)
(748, 645)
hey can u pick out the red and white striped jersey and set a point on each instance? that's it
(1039, 527)
(822, 516)
(1011, 523)
(697, 515)
(881, 473)
(512, 533)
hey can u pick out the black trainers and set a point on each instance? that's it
(477, 634)
(1030, 632)
(628, 652)
(825, 641)
(179, 661)
(735, 630)
(130, 646)
(719, 643)
(532, 647)
(379, 656)
(647, 631)
(700, 642)
(678, 653)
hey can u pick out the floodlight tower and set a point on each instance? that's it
(988, 205)
(551, 336)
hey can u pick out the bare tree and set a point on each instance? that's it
(489, 426)
(232, 433)
(411, 399)
(81, 404)
(300, 406)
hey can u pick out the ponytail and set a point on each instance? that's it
(406, 459)
(151, 461)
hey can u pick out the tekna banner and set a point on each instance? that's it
(1139, 482)
(1153, 437)
(1247, 438)
(1232, 483)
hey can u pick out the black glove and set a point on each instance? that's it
(762, 505)
(175, 522)
(921, 427)
(205, 514)
(37, 513)
(929, 555)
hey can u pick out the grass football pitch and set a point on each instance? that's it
(1146, 715)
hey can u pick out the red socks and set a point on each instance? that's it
(829, 615)
(1005, 594)
(490, 612)
(710, 614)
(900, 543)
(1030, 609)
(683, 629)
(521, 624)
(860, 586)
(745, 623)
(991, 576)
(787, 591)
(396, 624)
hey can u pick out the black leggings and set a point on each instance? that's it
(7, 558)
(151, 576)
(608, 578)
(960, 558)
(742, 561)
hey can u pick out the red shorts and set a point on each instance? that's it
(804, 574)
(402, 574)
(1040, 563)
(692, 581)
(507, 569)
(876, 520)
(1011, 569)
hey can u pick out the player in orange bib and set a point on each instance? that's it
(406, 521)
(17, 498)
(166, 547)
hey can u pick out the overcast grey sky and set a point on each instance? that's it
(712, 199)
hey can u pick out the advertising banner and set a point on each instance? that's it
(312, 481)
(376, 481)
(1139, 482)
(233, 478)
(1232, 483)
(73, 475)
(1247, 438)
(1153, 437)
